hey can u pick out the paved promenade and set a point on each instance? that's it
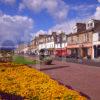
(83, 78)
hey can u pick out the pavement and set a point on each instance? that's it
(95, 62)
(82, 78)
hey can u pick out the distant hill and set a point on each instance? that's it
(7, 45)
(7, 48)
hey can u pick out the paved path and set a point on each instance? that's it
(80, 77)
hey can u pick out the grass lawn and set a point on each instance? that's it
(23, 60)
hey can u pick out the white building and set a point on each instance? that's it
(52, 42)
(94, 25)
(42, 46)
(49, 45)
(46, 42)
(42, 41)
(90, 24)
(61, 41)
(96, 45)
(22, 48)
(25, 50)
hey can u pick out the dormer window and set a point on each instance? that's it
(90, 24)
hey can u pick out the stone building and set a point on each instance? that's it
(95, 26)
(85, 42)
(80, 43)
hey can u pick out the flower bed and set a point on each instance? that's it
(33, 85)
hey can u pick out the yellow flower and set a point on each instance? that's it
(32, 84)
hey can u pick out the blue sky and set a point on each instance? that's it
(20, 19)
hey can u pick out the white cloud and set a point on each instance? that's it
(98, 0)
(15, 28)
(56, 8)
(8, 1)
(97, 13)
(83, 7)
(62, 27)
(34, 5)
(40, 32)
(67, 26)
(84, 10)
(21, 6)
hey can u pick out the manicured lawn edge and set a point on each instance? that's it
(18, 59)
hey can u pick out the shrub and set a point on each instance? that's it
(47, 60)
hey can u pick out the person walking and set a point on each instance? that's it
(80, 59)
(88, 58)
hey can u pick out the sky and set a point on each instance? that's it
(20, 20)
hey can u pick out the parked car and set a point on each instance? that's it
(61, 53)
(72, 56)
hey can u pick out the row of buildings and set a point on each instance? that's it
(83, 41)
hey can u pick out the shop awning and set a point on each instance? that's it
(72, 46)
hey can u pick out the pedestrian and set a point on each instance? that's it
(80, 59)
(88, 58)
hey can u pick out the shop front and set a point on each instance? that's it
(61, 52)
(86, 50)
(81, 50)
(96, 51)
(51, 51)
(74, 50)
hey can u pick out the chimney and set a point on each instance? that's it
(79, 27)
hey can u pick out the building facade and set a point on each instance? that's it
(95, 26)
(80, 43)
(83, 42)
(96, 45)
(61, 41)
(22, 49)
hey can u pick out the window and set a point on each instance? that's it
(91, 24)
(58, 39)
(52, 38)
(64, 38)
(71, 39)
(99, 36)
(77, 39)
(87, 37)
